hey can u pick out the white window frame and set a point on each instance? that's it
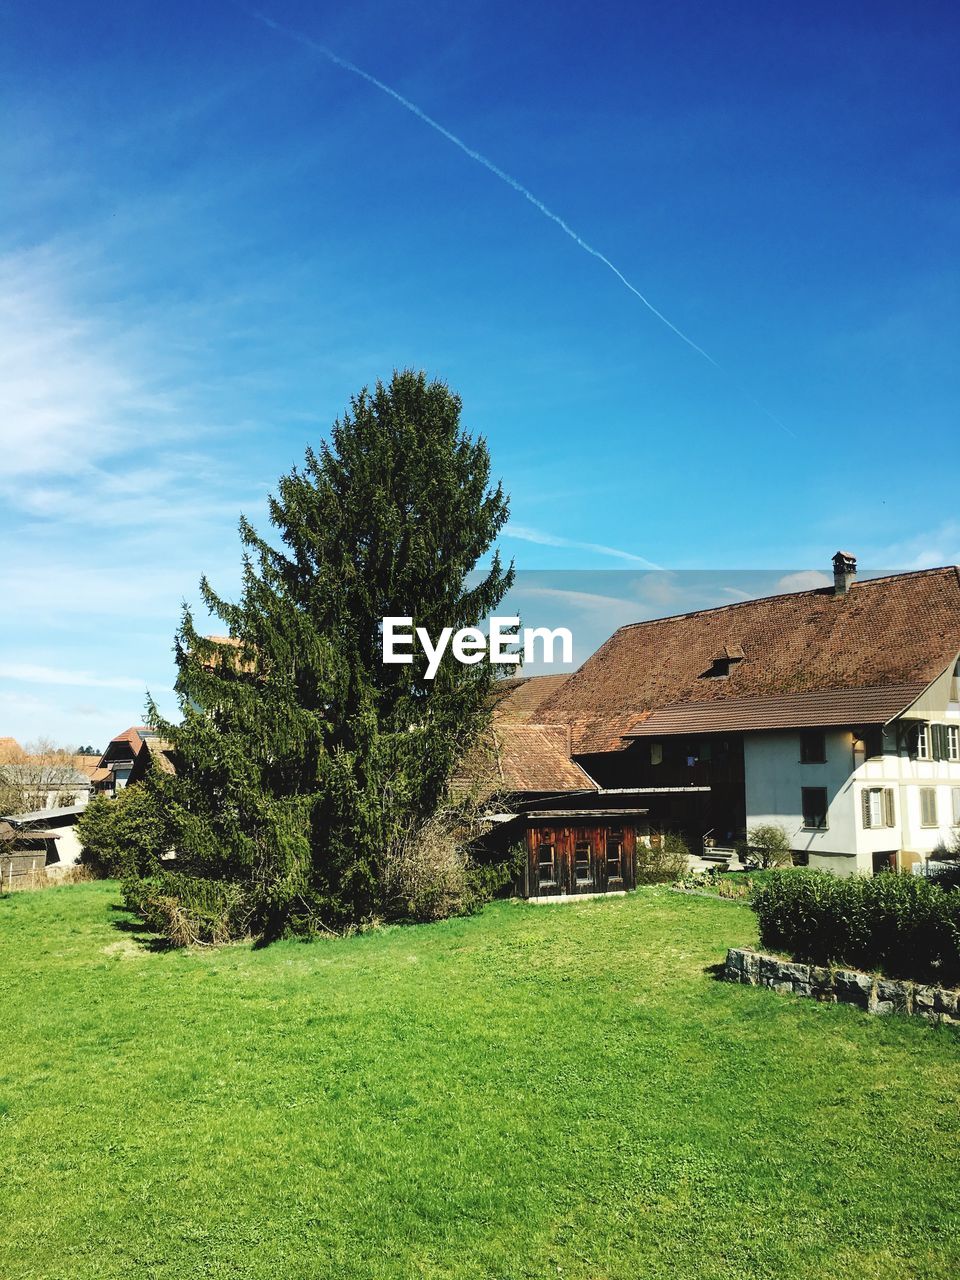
(878, 808)
(953, 742)
(923, 742)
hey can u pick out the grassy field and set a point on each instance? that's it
(553, 1091)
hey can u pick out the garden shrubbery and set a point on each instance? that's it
(187, 910)
(125, 834)
(663, 860)
(903, 925)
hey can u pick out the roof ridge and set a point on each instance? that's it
(788, 595)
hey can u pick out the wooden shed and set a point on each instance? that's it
(581, 850)
(23, 856)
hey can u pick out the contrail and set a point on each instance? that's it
(481, 159)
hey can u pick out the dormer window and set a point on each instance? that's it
(724, 661)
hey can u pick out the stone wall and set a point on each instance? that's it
(843, 986)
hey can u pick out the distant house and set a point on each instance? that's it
(44, 785)
(22, 859)
(116, 763)
(834, 712)
(128, 756)
(46, 838)
(155, 753)
(41, 798)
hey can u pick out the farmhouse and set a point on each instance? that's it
(834, 712)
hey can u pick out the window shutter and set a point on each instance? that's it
(865, 805)
(911, 739)
(928, 806)
(937, 744)
(889, 808)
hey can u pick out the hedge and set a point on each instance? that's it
(902, 925)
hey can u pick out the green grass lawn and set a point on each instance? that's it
(552, 1091)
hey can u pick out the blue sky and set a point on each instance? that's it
(211, 236)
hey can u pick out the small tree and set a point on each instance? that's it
(768, 844)
(666, 857)
(124, 835)
(301, 756)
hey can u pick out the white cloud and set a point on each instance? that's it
(526, 534)
(803, 580)
(928, 549)
(33, 674)
(70, 388)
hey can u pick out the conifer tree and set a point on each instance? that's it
(300, 754)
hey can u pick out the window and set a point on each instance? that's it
(814, 802)
(878, 808)
(547, 863)
(952, 742)
(656, 753)
(928, 806)
(813, 747)
(923, 742)
(581, 862)
(615, 854)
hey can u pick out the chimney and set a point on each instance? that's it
(844, 572)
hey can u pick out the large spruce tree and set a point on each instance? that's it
(300, 754)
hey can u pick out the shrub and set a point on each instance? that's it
(768, 845)
(663, 860)
(125, 835)
(489, 880)
(188, 910)
(903, 925)
(424, 872)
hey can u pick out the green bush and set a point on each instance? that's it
(768, 845)
(125, 835)
(665, 859)
(488, 880)
(188, 910)
(903, 925)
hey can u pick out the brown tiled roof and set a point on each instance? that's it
(816, 707)
(224, 658)
(517, 758)
(86, 764)
(518, 697)
(536, 757)
(131, 736)
(895, 633)
(161, 753)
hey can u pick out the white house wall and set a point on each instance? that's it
(68, 849)
(774, 777)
